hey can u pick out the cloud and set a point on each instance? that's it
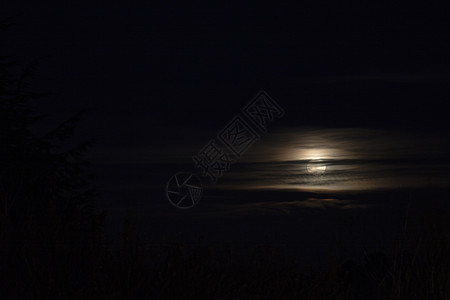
(356, 159)
(265, 208)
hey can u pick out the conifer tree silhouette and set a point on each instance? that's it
(50, 240)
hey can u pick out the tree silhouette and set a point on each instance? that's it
(50, 238)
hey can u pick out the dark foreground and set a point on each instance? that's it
(51, 257)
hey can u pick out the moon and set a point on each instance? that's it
(316, 166)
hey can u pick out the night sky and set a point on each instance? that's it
(364, 91)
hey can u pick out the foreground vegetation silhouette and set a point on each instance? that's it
(52, 244)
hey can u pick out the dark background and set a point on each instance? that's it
(331, 65)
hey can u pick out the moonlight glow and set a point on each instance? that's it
(316, 166)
